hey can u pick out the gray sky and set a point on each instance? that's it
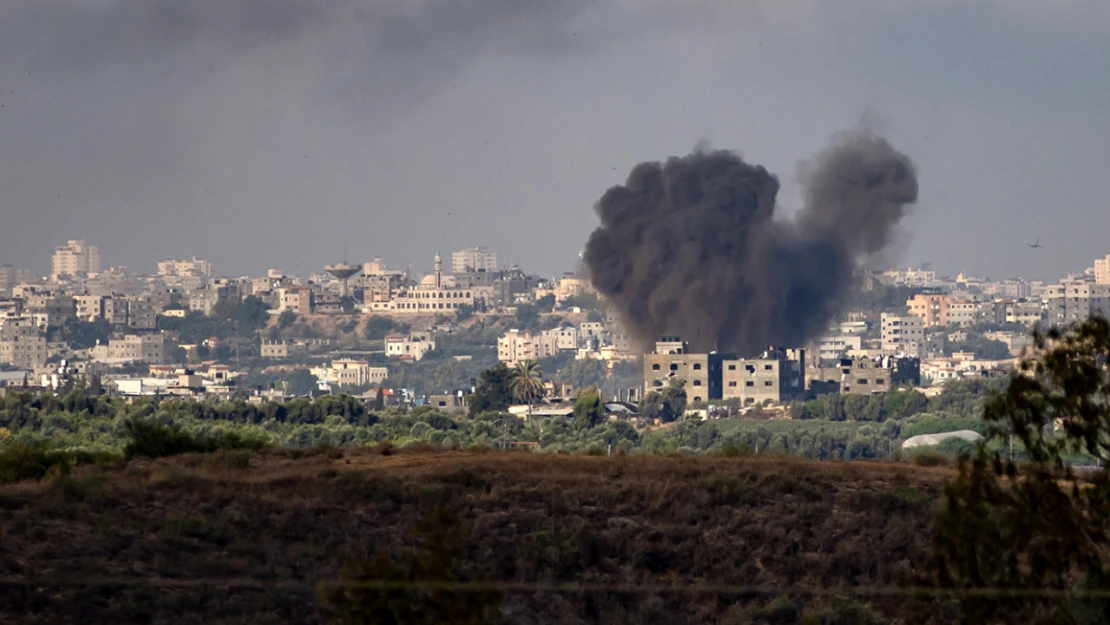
(263, 133)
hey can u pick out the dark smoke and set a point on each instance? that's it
(691, 247)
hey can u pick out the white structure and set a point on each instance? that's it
(902, 334)
(194, 267)
(75, 258)
(476, 259)
(925, 440)
(413, 346)
(352, 373)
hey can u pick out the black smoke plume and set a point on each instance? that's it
(692, 247)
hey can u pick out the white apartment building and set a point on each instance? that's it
(475, 259)
(354, 373)
(413, 346)
(75, 258)
(194, 267)
(515, 346)
(902, 334)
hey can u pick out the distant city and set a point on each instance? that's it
(181, 329)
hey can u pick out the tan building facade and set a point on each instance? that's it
(75, 258)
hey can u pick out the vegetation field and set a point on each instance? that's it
(269, 537)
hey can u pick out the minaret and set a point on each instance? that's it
(439, 272)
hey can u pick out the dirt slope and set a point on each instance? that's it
(205, 539)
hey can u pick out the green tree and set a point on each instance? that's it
(666, 405)
(526, 382)
(546, 303)
(464, 312)
(377, 327)
(286, 318)
(527, 315)
(589, 411)
(1037, 525)
(493, 392)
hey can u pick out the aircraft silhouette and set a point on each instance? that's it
(1036, 243)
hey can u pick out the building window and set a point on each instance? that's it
(697, 382)
(732, 383)
(861, 382)
(697, 367)
(880, 381)
(655, 367)
(732, 367)
(767, 367)
(768, 383)
(749, 383)
(674, 367)
(697, 399)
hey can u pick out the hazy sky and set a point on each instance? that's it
(264, 133)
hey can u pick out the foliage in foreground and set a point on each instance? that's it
(1038, 527)
(154, 440)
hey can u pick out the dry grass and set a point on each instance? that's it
(265, 528)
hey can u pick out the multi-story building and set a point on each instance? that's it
(836, 346)
(671, 360)
(355, 373)
(115, 310)
(89, 307)
(50, 308)
(902, 334)
(22, 344)
(1076, 300)
(75, 258)
(1102, 270)
(413, 346)
(475, 259)
(194, 267)
(776, 376)
(148, 348)
(204, 300)
(436, 294)
(142, 313)
(9, 277)
(515, 346)
(865, 375)
(300, 299)
(941, 309)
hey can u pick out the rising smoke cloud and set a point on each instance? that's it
(692, 247)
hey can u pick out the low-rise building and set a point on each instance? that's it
(22, 345)
(412, 347)
(354, 373)
(300, 299)
(281, 349)
(865, 375)
(775, 377)
(148, 348)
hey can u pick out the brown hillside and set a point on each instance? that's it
(203, 539)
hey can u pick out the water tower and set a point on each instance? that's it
(342, 272)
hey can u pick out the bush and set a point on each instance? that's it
(154, 440)
(930, 457)
(36, 460)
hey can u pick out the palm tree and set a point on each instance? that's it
(526, 382)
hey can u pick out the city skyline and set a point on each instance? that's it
(1004, 120)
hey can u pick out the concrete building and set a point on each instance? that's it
(836, 346)
(435, 294)
(515, 346)
(75, 258)
(671, 360)
(1102, 270)
(182, 268)
(902, 334)
(50, 308)
(475, 259)
(941, 309)
(775, 377)
(148, 348)
(142, 313)
(411, 347)
(22, 345)
(282, 349)
(355, 373)
(204, 300)
(10, 277)
(1076, 300)
(89, 307)
(865, 375)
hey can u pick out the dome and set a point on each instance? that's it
(429, 281)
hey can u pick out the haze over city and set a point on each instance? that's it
(503, 123)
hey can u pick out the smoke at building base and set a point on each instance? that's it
(693, 247)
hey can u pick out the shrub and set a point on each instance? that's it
(930, 458)
(154, 440)
(38, 459)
